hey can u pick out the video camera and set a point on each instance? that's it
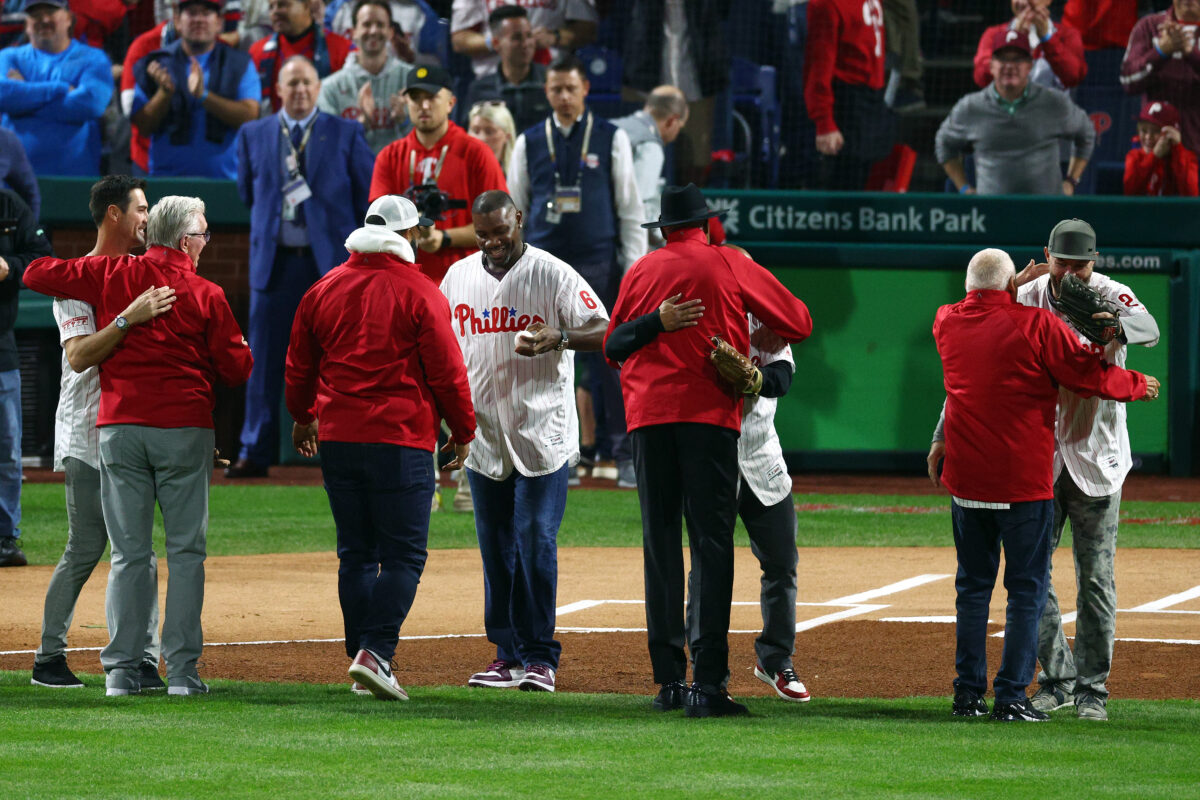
(431, 201)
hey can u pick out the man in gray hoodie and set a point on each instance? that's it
(1015, 128)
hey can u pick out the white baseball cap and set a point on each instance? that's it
(395, 213)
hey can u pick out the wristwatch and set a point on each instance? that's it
(121, 323)
(563, 342)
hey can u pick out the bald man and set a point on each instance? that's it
(650, 130)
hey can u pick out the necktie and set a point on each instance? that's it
(297, 136)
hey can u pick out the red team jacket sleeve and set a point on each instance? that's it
(1141, 59)
(1064, 51)
(769, 300)
(76, 278)
(820, 54)
(230, 354)
(442, 363)
(1140, 167)
(1184, 169)
(983, 57)
(300, 374)
(1074, 366)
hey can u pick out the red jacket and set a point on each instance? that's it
(842, 45)
(1064, 51)
(470, 169)
(671, 379)
(1102, 23)
(338, 46)
(1173, 176)
(163, 374)
(373, 359)
(1003, 363)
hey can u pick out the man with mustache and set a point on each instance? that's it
(296, 34)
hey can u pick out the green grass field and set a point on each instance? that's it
(322, 742)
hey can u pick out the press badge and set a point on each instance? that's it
(568, 199)
(295, 192)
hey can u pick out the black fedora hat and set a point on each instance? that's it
(683, 205)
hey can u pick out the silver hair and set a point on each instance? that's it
(990, 269)
(171, 218)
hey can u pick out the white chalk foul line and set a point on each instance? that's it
(265, 642)
(882, 591)
(1169, 600)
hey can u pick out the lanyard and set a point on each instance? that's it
(587, 138)
(437, 168)
(296, 152)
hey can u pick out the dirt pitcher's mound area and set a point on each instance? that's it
(873, 622)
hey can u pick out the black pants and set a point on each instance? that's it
(687, 471)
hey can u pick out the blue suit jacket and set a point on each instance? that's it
(338, 165)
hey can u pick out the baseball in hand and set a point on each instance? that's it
(524, 337)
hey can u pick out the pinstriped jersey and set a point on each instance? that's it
(75, 431)
(524, 407)
(1090, 435)
(760, 455)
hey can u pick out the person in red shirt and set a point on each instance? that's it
(296, 34)
(683, 423)
(1003, 364)
(1057, 49)
(156, 430)
(372, 368)
(440, 167)
(1102, 23)
(1161, 165)
(844, 90)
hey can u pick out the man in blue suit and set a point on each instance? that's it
(304, 175)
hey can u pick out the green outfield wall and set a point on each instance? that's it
(873, 269)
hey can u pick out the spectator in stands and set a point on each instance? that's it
(657, 125)
(192, 95)
(231, 18)
(1102, 23)
(1163, 62)
(98, 21)
(408, 20)
(296, 33)
(573, 181)
(843, 90)
(435, 164)
(12, 22)
(1015, 126)
(21, 241)
(53, 92)
(15, 172)
(370, 88)
(558, 26)
(1161, 166)
(255, 23)
(518, 81)
(490, 123)
(902, 22)
(1057, 49)
(304, 176)
(682, 44)
(161, 35)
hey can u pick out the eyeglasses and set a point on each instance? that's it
(205, 236)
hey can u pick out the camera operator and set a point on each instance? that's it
(440, 168)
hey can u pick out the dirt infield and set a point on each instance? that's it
(852, 641)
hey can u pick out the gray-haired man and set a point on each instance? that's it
(156, 435)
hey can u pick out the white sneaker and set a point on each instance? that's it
(376, 676)
(189, 686)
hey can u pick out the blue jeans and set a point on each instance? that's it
(10, 453)
(380, 496)
(517, 522)
(1024, 530)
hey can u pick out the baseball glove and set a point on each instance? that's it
(735, 368)
(1078, 302)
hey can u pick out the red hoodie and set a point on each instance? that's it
(845, 43)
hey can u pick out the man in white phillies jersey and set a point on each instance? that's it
(518, 312)
(1092, 443)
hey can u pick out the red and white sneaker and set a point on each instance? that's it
(538, 678)
(358, 688)
(500, 674)
(785, 683)
(376, 676)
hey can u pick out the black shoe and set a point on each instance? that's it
(55, 674)
(245, 468)
(1020, 711)
(149, 678)
(671, 697)
(10, 554)
(700, 703)
(968, 704)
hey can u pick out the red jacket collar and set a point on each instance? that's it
(169, 256)
(688, 235)
(992, 297)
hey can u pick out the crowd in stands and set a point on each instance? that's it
(162, 87)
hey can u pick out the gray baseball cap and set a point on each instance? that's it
(1073, 239)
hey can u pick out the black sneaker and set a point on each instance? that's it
(55, 674)
(149, 678)
(968, 704)
(707, 703)
(671, 697)
(10, 553)
(1020, 711)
